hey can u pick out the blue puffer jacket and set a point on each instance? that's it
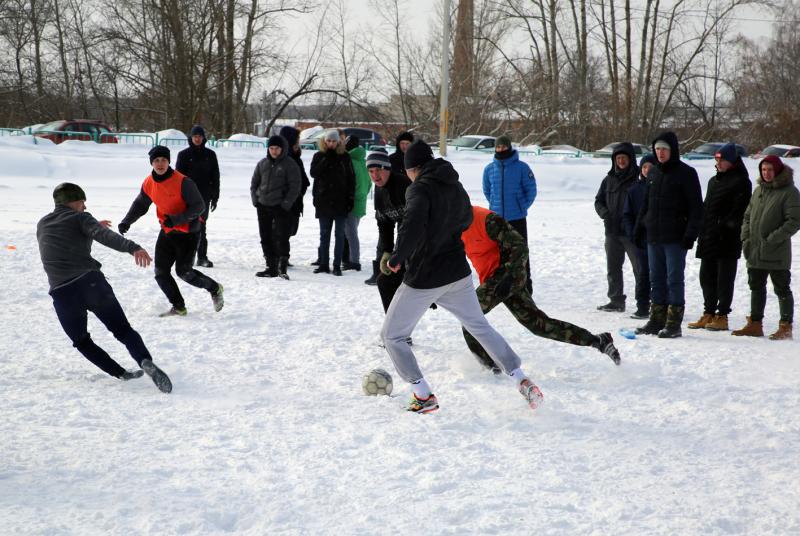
(510, 187)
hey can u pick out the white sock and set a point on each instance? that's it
(518, 375)
(421, 388)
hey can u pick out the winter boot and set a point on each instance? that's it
(157, 375)
(784, 332)
(751, 329)
(658, 317)
(672, 328)
(605, 343)
(337, 271)
(704, 321)
(373, 279)
(720, 323)
(272, 268)
(322, 269)
(283, 264)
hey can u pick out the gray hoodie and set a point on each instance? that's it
(65, 244)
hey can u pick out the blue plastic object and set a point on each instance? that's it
(627, 333)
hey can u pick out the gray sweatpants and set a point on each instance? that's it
(408, 306)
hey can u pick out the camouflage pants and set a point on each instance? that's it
(524, 309)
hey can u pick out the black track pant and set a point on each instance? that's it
(179, 249)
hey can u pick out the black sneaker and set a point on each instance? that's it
(205, 263)
(351, 266)
(131, 375)
(612, 307)
(641, 314)
(605, 343)
(336, 271)
(322, 270)
(157, 375)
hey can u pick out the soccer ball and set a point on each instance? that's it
(377, 382)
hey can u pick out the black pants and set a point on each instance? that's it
(617, 247)
(274, 226)
(717, 278)
(179, 248)
(91, 292)
(202, 247)
(781, 283)
(521, 226)
(643, 281)
(388, 285)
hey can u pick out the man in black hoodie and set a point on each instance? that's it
(401, 144)
(429, 245)
(199, 163)
(609, 204)
(292, 137)
(671, 215)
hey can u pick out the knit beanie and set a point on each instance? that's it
(66, 192)
(648, 158)
(332, 135)
(777, 165)
(157, 151)
(197, 129)
(378, 159)
(419, 153)
(404, 136)
(728, 152)
(275, 141)
(290, 134)
(503, 140)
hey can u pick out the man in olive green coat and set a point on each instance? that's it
(771, 218)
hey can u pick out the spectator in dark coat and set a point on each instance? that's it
(609, 203)
(292, 137)
(199, 163)
(633, 204)
(672, 214)
(334, 197)
(719, 246)
(273, 190)
(401, 144)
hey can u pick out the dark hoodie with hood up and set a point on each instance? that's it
(397, 157)
(429, 242)
(673, 207)
(727, 196)
(200, 164)
(609, 203)
(276, 182)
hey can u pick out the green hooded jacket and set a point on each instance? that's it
(771, 218)
(358, 155)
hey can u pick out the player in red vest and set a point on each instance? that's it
(179, 207)
(499, 254)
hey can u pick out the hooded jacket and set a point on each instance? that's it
(390, 204)
(200, 164)
(397, 158)
(358, 157)
(770, 221)
(429, 242)
(276, 182)
(727, 197)
(609, 203)
(334, 183)
(673, 208)
(509, 186)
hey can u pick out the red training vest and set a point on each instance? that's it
(168, 198)
(483, 252)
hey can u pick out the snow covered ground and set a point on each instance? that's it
(267, 432)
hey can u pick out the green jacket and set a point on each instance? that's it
(771, 218)
(363, 183)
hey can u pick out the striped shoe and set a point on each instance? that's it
(531, 392)
(426, 405)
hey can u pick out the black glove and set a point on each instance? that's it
(168, 221)
(123, 228)
(687, 243)
(213, 205)
(434, 306)
(503, 288)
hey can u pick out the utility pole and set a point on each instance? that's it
(443, 112)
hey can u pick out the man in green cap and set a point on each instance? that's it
(77, 285)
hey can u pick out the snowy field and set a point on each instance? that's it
(267, 432)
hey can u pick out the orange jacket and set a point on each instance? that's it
(483, 251)
(168, 198)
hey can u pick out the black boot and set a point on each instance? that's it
(283, 264)
(272, 268)
(658, 318)
(672, 328)
(373, 279)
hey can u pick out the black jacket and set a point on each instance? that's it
(609, 203)
(276, 182)
(727, 197)
(673, 208)
(334, 187)
(390, 204)
(199, 163)
(429, 242)
(397, 158)
(297, 208)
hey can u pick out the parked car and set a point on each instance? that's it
(708, 150)
(472, 141)
(76, 129)
(367, 137)
(639, 149)
(783, 151)
(560, 150)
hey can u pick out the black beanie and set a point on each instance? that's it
(418, 153)
(404, 136)
(197, 129)
(351, 142)
(275, 141)
(66, 192)
(290, 134)
(157, 151)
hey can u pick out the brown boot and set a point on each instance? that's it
(704, 321)
(720, 323)
(784, 332)
(751, 329)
